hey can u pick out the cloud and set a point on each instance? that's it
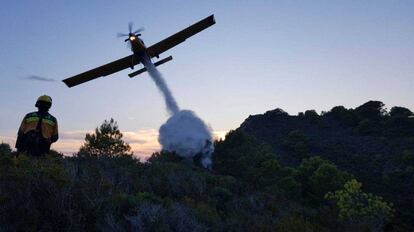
(40, 78)
(9, 139)
(73, 135)
(139, 141)
(143, 142)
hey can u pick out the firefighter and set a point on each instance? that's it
(38, 130)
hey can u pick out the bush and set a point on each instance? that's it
(107, 140)
(398, 111)
(240, 155)
(5, 149)
(295, 223)
(338, 112)
(371, 110)
(318, 177)
(367, 127)
(358, 209)
(297, 142)
(311, 114)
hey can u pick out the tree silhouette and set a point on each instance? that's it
(372, 110)
(400, 111)
(359, 209)
(5, 148)
(106, 141)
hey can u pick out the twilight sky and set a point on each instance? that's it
(260, 55)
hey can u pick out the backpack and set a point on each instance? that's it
(33, 140)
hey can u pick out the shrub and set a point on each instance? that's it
(297, 142)
(107, 140)
(5, 149)
(318, 177)
(358, 209)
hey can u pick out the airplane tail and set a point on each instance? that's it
(165, 60)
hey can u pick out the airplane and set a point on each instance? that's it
(141, 53)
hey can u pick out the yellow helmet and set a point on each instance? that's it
(44, 98)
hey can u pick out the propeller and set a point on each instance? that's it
(131, 33)
(130, 24)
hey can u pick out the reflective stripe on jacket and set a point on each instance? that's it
(49, 125)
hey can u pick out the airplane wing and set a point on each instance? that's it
(180, 37)
(101, 71)
(152, 51)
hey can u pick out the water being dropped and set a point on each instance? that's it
(184, 132)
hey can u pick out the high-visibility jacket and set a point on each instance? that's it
(48, 127)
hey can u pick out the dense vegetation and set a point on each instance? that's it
(265, 178)
(373, 144)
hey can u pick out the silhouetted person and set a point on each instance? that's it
(38, 130)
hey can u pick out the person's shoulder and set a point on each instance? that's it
(31, 114)
(51, 117)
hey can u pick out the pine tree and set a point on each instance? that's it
(106, 141)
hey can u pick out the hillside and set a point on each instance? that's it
(345, 170)
(374, 145)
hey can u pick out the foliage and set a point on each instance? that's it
(318, 177)
(358, 207)
(276, 112)
(368, 143)
(116, 193)
(399, 125)
(298, 143)
(295, 223)
(408, 157)
(163, 157)
(254, 185)
(107, 140)
(367, 127)
(311, 114)
(32, 192)
(400, 111)
(372, 110)
(273, 178)
(240, 155)
(338, 111)
(5, 148)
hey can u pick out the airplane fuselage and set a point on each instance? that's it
(137, 45)
(141, 53)
(139, 49)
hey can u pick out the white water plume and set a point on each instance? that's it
(156, 76)
(187, 135)
(184, 132)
